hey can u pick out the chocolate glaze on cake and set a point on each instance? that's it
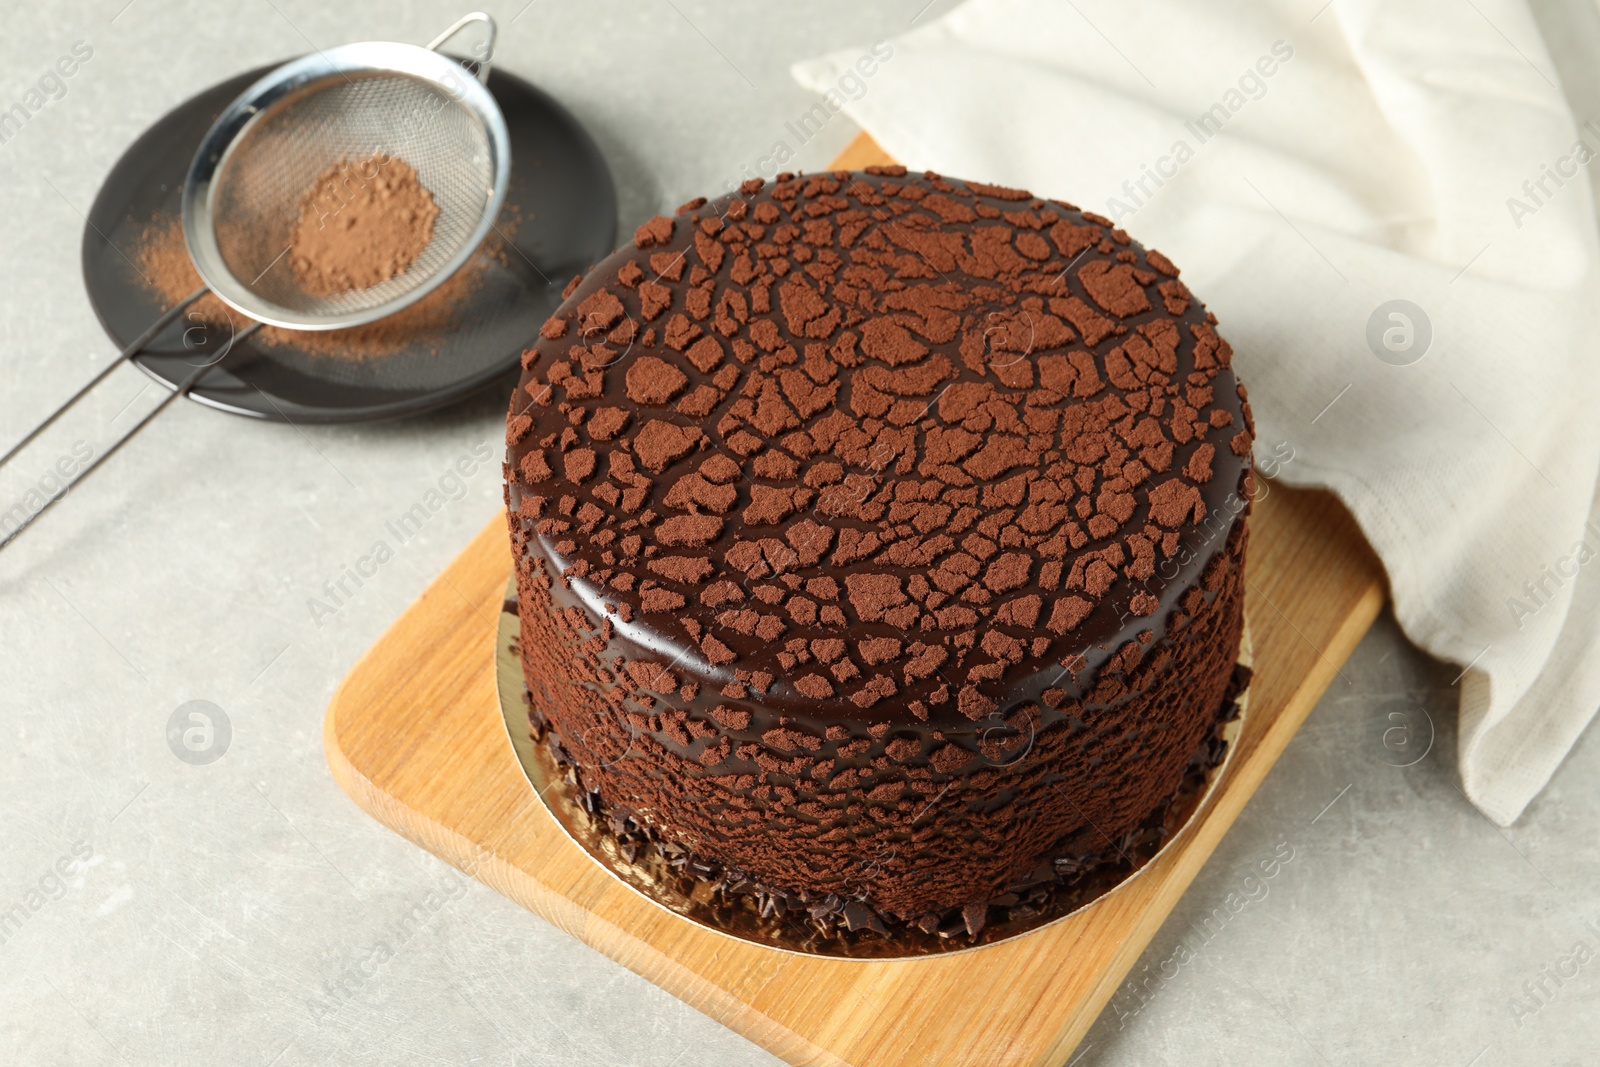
(881, 536)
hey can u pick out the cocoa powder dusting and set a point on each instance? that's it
(360, 224)
(168, 273)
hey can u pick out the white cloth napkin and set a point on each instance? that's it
(1355, 152)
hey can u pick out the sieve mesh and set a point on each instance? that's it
(358, 117)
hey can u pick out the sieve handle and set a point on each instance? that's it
(134, 348)
(488, 45)
(181, 389)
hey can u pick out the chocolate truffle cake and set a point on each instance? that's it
(879, 539)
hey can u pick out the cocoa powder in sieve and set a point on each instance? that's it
(361, 223)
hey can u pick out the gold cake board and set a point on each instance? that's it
(415, 736)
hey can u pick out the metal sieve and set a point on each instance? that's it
(362, 104)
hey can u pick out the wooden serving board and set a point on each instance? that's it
(415, 736)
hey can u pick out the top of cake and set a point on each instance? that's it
(879, 440)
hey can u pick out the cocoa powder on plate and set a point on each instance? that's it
(167, 272)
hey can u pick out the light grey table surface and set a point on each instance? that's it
(245, 912)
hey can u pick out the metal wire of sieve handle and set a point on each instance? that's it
(488, 45)
(134, 348)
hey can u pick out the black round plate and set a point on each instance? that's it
(561, 217)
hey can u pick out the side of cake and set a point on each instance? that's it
(880, 538)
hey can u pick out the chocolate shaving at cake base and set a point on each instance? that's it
(736, 903)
